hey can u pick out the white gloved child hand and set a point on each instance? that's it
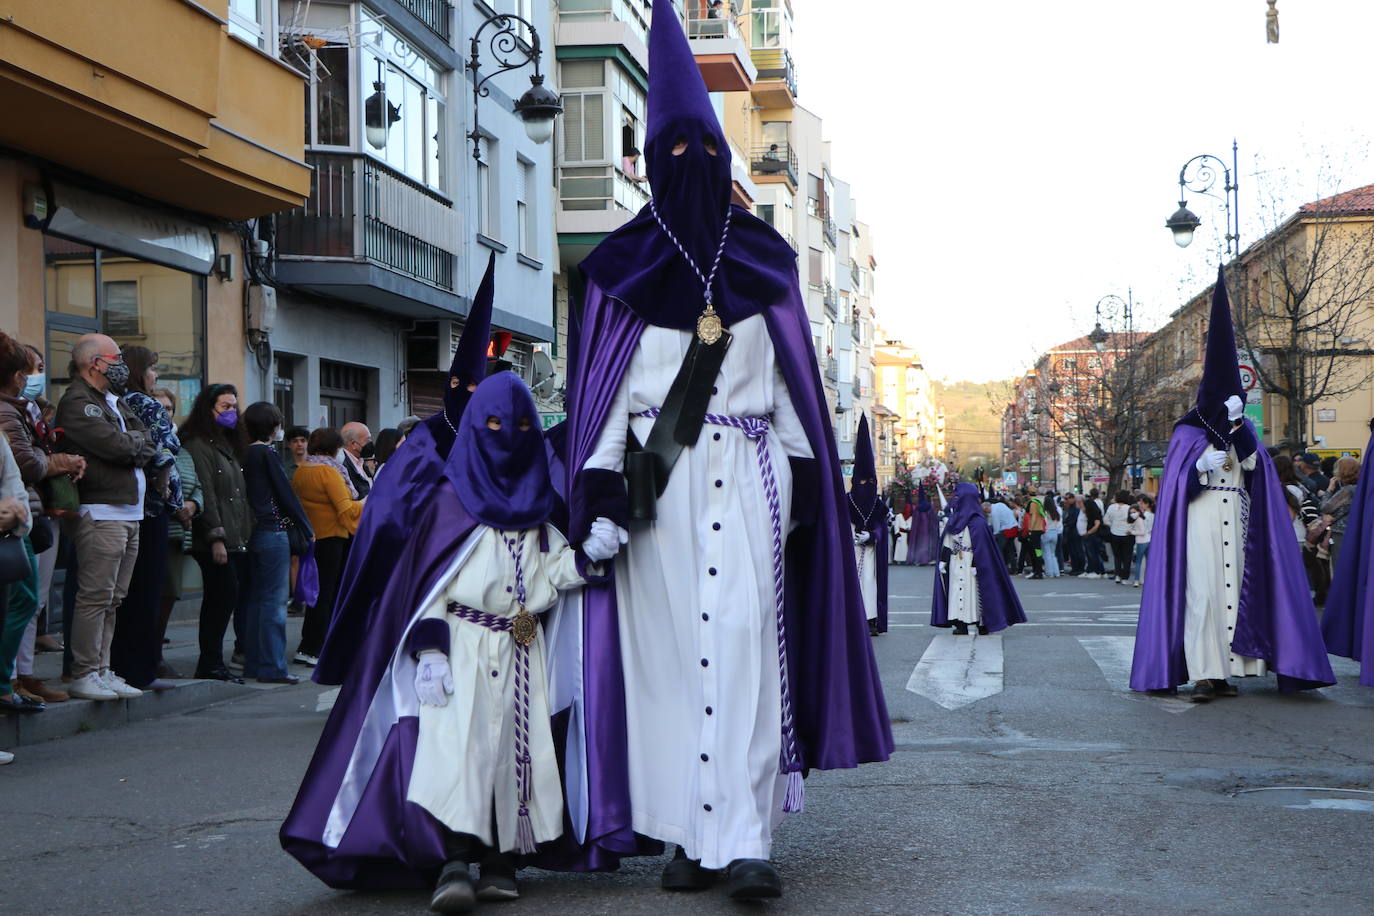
(1235, 408)
(433, 678)
(862, 537)
(943, 568)
(1211, 460)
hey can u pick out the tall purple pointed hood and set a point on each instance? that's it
(639, 264)
(1220, 368)
(469, 365)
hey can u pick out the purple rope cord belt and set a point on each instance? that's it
(789, 762)
(524, 774)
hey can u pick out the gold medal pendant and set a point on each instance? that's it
(522, 627)
(709, 328)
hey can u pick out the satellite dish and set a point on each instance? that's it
(543, 372)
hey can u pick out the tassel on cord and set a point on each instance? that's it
(795, 800)
(524, 834)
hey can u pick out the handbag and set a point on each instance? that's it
(64, 500)
(307, 579)
(14, 561)
(298, 540)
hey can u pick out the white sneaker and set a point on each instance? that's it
(301, 658)
(117, 684)
(1091, 576)
(91, 687)
(6, 757)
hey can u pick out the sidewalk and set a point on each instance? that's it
(75, 717)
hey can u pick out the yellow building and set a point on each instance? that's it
(136, 140)
(904, 388)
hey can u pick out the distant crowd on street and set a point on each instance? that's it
(104, 486)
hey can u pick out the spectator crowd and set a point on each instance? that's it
(107, 487)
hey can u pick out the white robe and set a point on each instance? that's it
(698, 626)
(901, 540)
(962, 589)
(866, 557)
(1216, 567)
(465, 753)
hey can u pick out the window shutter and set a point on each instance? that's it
(521, 179)
(572, 128)
(593, 130)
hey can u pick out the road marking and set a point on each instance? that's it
(958, 670)
(1113, 655)
(1119, 607)
(325, 701)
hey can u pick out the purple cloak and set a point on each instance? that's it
(839, 711)
(877, 527)
(1348, 621)
(997, 597)
(923, 541)
(1276, 620)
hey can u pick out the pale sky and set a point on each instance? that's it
(1017, 160)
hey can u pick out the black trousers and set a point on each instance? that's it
(1123, 546)
(1008, 551)
(330, 556)
(137, 646)
(1032, 547)
(224, 587)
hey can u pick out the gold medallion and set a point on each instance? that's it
(709, 328)
(522, 627)
(1226, 465)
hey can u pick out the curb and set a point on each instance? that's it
(76, 717)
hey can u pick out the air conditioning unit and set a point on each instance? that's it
(431, 345)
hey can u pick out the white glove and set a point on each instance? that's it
(603, 540)
(1235, 408)
(433, 678)
(862, 537)
(1211, 460)
(943, 568)
(610, 530)
(974, 570)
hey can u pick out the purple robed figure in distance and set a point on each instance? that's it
(923, 542)
(1275, 623)
(869, 512)
(997, 603)
(1348, 620)
(644, 293)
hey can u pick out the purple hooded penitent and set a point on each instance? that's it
(1348, 621)
(636, 277)
(868, 511)
(997, 596)
(498, 465)
(923, 542)
(398, 497)
(1276, 620)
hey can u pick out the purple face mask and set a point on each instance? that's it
(229, 419)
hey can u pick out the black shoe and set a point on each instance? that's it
(284, 679)
(1225, 688)
(168, 673)
(1203, 692)
(1164, 692)
(219, 674)
(960, 628)
(1033, 578)
(684, 874)
(22, 705)
(496, 879)
(453, 893)
(873, 628)
(753, 879)
(982, 630)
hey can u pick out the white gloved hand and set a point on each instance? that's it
(862, 537)
(943, 568)
(974, 570)
(604, 526)
(433, 678)
(1235, 408)
(1211, 460)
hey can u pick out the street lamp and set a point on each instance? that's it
(539, 105)
(1183, 223)
(1108, 307)
(378, 113)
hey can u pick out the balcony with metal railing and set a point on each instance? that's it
(776, 83)
(600, 187)
(831, 368)
(362, 213)
(830, 300)
(710, 23)
(828, 228)
(437, 15)
(774, 162)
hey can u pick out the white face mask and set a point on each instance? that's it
(278, 434)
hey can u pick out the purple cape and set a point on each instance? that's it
(840, 715)
(1276, 620)
(923, 542)
(997, 596)
(389, 842)
(1348, 621)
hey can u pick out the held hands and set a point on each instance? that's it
(604, 540)
(1211, 460)
(433, 678)
(1235, 408)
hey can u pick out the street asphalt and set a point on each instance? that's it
(1027, 779)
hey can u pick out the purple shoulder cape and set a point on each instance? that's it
(388, 842)
(923, 541)
(997, 597)
(1276, 620)
(1348, 621)
(841, 716)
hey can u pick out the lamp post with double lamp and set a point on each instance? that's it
(1110, 308)
(1199, 175)
(511, 50)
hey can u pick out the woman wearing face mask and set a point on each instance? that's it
(137, 648)
(220, 534)
(20, 383)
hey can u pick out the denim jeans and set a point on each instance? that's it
(1092, 548)
(1138, 566)
(1049, 543)
(269, 578)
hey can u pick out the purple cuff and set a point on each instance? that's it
(596, 494)
(429, 633)
(586, 567)
(806, 482)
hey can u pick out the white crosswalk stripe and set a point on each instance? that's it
(958, 670)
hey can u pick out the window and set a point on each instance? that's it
(815, 277)
(1069, 363)
(815, 193)
(765, 213)
(403, 103)
(121, 318)
(488, 190)
(769, 29)
(251, 21)
(525, 222)
(326, 99)
(1094, 362)
(583, 121)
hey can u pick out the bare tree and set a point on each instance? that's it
(1302, 300)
